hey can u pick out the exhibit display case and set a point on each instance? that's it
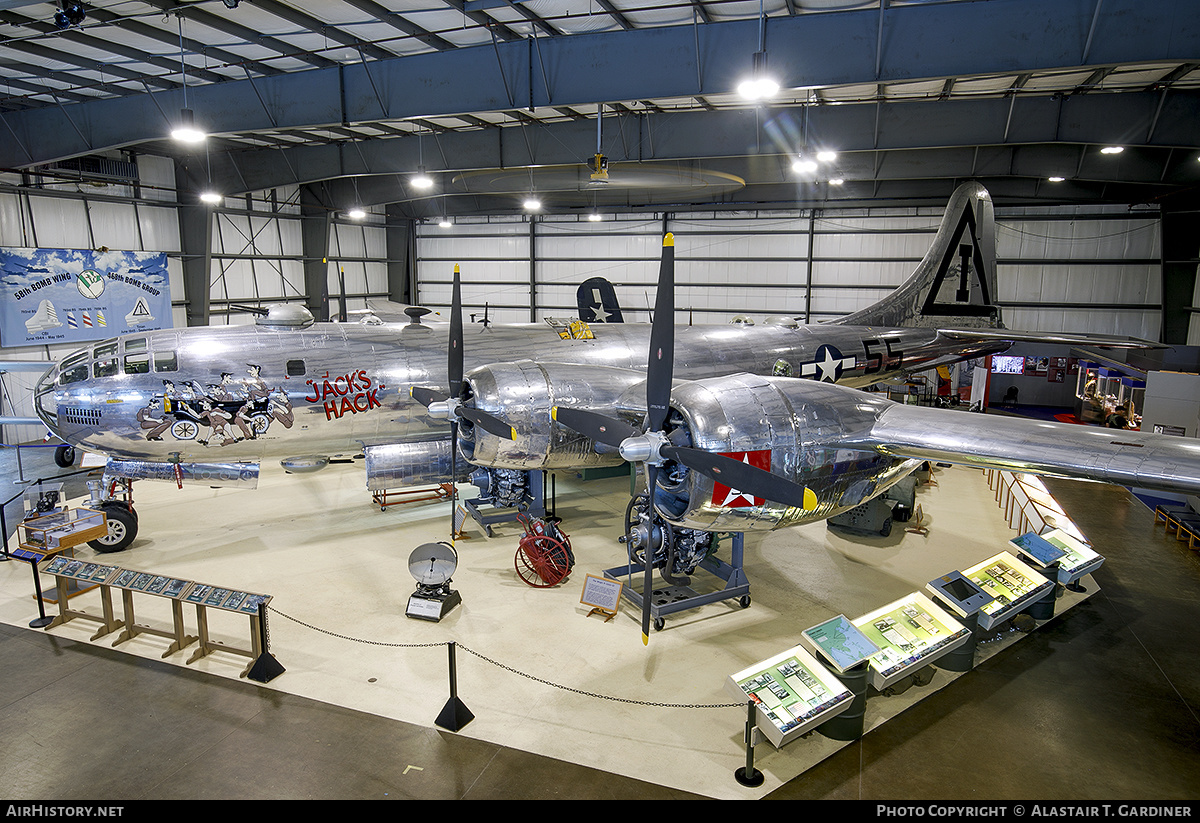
(911, 632)
(63, 529)
(1102, 391)
(793, 693)
(1014, 584)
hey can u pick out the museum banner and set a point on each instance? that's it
(77, 295)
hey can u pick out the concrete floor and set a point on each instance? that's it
(1098, 703)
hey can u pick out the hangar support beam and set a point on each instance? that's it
(810, 50)
(715, 136)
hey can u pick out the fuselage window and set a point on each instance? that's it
(137, 364)
(165, 361)
(295, 368)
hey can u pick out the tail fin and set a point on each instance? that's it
(597, 300)
(955, 284)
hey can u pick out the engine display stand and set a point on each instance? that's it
(533, 503)
(673, 599)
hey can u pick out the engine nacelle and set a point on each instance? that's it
(787, 426)
(522, 393)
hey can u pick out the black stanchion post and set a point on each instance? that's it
(454, 714)
(266, 668)
(42, 621)
(748, 775)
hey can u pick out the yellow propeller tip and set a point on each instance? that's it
(645, 640)
(669, 240)
(456, 268)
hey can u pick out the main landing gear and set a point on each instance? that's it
(114, 497)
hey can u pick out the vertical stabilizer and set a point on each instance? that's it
(955, 284)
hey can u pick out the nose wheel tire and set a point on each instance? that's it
(64, 456)
(122, 529)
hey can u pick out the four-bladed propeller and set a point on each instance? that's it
(652, 446)
(451, 407)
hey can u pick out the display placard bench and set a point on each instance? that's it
(180, 592)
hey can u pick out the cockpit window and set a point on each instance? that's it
(135, 344)
(74, 360)
(165, 361)
(137, 364)
(105, 349)
(73, 374)
(105, 368)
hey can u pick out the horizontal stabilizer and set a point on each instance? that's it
(25, 365)
(1155, 462)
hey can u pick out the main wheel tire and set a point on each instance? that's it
(122, 529)
(64, 456)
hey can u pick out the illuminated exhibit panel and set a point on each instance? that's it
(1070, 557)
(793, 693)
(1014, 584)
(839, 643)
(910, 632)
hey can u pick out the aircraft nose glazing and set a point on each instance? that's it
(44, 400)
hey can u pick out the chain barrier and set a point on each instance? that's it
(509, 669)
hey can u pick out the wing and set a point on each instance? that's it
(1096, 341)
(1129, 458)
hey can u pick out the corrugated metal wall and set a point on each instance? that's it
(1094, 270)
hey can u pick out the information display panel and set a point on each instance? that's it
(911, 632)
(963, 596)
(792, 691)
(839, 643)
(1039, 551)
(1079, 560)
(1014, 584)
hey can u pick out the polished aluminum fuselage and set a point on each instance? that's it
(337, 388)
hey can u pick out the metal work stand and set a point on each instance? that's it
(534, 505)
(673, 599)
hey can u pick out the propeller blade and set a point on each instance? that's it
(488, 422)
(426, 396)
(743, 477)
(454, 356)
(599, 427)
(648, 551)
(660, 366)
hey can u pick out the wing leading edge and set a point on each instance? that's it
(1147, 461)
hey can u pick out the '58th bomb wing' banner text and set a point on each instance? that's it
(77, 295)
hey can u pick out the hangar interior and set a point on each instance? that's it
(321, 118)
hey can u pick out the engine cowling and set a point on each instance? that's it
(522, 393)
(793, 428)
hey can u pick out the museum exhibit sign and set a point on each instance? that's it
(78, 295)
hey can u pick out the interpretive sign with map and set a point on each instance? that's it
(840, 643)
